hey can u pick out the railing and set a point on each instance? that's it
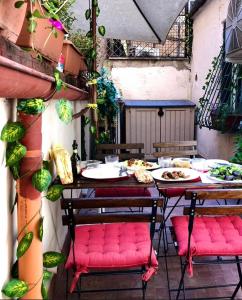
(177, 45)
(221, 105)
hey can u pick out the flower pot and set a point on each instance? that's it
(11, 19)
(74, 60)
(42, 40)
(230, 123)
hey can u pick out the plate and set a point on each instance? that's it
(192, 174)
(138, 165)
(103, 172)
(213, 163)
(217, 180)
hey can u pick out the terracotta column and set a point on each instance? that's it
(29, 204)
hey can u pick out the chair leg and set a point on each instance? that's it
(67, 284)
(144, 286)
(167, 273)
(236, 290)
(181, 284)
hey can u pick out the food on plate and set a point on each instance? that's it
(174, 175)
(138, 163)
(229, 173)
(143, 176)
(181, 164)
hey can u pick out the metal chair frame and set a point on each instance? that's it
(196, 196)
(71, 219)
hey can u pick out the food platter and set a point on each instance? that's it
(189, 174)
(137, 164)
(103, 172)
(213, 163)
(226, 173)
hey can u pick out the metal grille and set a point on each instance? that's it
(176, 45)
(221, 105)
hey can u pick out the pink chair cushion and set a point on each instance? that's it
(108, 246)
(122, 192)
(211, 236)
(220, 235)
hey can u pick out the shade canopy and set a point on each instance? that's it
(139, 20)
(233, 33)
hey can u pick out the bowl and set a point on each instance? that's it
(93, 163)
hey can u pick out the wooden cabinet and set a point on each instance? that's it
(158, 121)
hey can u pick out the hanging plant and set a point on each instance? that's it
(41, 180)
(15, 288)
(53, 259)
(64, 110)
(41, 229)
(14, 153)
(31, 106)
(102, 30)
(54, 192)
(24, 244)
(12, 132)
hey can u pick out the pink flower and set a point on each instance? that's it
(57, 24)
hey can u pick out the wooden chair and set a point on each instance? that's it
(124, 151)
(111, 244)
(212, 232)
(176, 149)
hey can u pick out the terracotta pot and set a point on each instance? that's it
(50, 49)
(11, 19)
(74, 60)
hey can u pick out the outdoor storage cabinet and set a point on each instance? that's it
(152, 121)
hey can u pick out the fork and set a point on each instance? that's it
(122, 170)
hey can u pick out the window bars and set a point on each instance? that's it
(221, 105)
(177, 45)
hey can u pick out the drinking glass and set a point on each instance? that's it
(164, 162)
(199, 164)
(111, 159)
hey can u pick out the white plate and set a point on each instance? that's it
(138, 167)
(103, 172)
(213, 163)
(188, 172)
(217, 180)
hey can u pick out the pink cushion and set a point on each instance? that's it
(218, 236)
(122, 192)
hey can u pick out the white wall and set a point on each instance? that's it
(154, 80)
(53, 132)
(207, 40)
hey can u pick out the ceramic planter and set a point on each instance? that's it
(50, 49)
(11, 19)
(74, 60)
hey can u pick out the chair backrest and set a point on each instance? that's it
(175, 149)
(72, 218)
(124, 151)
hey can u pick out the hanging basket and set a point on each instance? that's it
(233, 32)
(48, 45)
(11, 19)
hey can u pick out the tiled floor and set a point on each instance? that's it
(157, 287)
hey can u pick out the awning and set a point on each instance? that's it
(139, 20)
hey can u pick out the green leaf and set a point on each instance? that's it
(41, 180)
(46, 165)
(54, 192)
(93, 54)
(53, 259)
(95, 3)
(15, 288)
(31, 106)
(32, 25)
(102, 30)
(24, 244)
(40, 229)
(15, 152)
(88, 14)
(97, 11)
(12, 131)
(37, 14)
(14, 270)
(93, 129)
(64, 110)
(89, 34)
(18, 4)
(15, 169)
(44, 291)
(47, 275)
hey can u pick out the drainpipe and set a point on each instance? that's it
(29, 204)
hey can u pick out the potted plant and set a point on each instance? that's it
(74, 60)
(42, 30)
(11, 19)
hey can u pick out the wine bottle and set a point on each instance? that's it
(75, 160)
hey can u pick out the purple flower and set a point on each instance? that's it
(57, 24)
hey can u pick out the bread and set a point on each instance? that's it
(143, 176)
